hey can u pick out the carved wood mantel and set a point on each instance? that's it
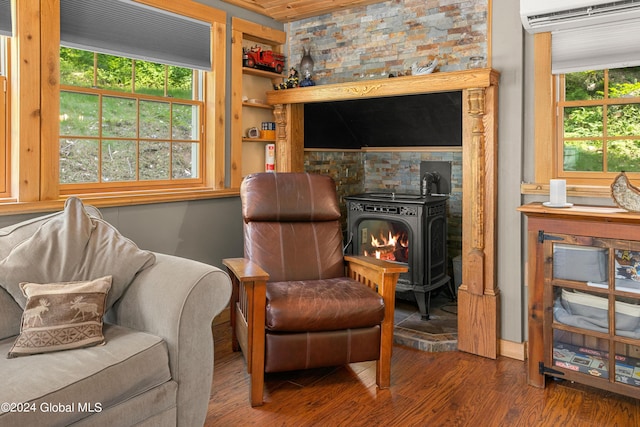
(478, 296)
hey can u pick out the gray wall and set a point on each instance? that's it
(527, 171)
(204, 230)
(507, 57)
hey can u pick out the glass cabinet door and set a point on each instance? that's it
(593, 288)
(626, 263)
(580, 301)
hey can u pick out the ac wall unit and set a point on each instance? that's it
(551, 15)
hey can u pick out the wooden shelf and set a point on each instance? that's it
(256, 105)
(248, 154)
(262, 73)
(397, 86)
(258, 140)
(608, 214)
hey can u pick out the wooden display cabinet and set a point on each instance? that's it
(248, 97)
(584, 296)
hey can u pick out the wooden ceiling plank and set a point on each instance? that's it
(286, 11)
(249, 5)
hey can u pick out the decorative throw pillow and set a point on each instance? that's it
(70, 248)
(12, 235)
(61, 316)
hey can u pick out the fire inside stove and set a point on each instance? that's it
(387, 240)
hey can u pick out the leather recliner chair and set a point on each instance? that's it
(297, 302)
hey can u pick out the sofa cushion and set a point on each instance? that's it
(10, 237)
(322, 305)
(129, 364)
(14, 234)
(73, 247)
(61, 316)
(11, 314)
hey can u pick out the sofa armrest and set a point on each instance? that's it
(177, 299)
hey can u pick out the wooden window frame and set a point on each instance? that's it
(546, 134)
(138, 184)
(4, 137)
(589, 177)
(34, 93)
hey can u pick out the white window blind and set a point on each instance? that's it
(129, 29)
(5, 18)
(596, 47)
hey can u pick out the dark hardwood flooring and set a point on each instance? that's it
(427, 389)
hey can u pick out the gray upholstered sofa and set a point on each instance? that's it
(155, 367)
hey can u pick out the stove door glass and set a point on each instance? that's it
(384, 239)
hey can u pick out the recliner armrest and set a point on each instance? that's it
(245, 270)
(377, 274)
(377, 264)
(248, 302)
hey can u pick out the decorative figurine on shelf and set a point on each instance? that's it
(291, 82)
(263, 59)
(306, 68)
(427, 69)
(306, 63)
(307, 81)
(625, 194)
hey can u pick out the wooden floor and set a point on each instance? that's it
(427, 389)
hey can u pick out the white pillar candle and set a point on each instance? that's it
(558, 192)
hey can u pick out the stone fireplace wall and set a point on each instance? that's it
(345, 167)
(374, 41)
(388, 38)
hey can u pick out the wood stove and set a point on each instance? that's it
(405, 228)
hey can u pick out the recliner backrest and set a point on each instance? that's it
(292, 225)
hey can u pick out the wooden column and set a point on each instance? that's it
(478, 295)
(35, 100)
(289, 120)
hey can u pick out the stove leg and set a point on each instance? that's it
(452, 291)
(423, 299)
(426, 315)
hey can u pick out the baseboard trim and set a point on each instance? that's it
(513, 350)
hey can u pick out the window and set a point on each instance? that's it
(599, 123)
(127, 123)
(143, 135)
(586, 127)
